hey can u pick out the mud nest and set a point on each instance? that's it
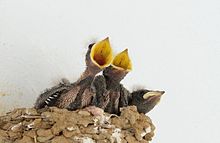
(54, 125)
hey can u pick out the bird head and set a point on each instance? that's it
(120, 66)
(146, 100)
(99, 56)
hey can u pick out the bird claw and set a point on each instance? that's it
(96, 111)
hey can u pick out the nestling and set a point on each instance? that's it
(98, 56)
(145, 100)
(109, 99)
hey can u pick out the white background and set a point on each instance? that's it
(174, 46)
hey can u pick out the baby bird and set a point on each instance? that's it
(145, 100)
(99, 57)
(109, 99)
(79, 94)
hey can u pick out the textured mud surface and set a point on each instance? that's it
(53, 125)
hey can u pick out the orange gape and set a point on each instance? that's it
(101, 53)
(100, 59)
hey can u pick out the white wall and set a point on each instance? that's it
(174, 46)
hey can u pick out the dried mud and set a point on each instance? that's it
(53, 125)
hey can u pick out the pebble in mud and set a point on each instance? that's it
(54, 125)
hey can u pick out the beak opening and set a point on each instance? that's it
(122, 61)
(101, 53)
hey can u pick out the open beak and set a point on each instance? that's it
(101, 53)
(122, 61)
(153, 96)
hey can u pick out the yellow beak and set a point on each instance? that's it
(122, 61)
(153, 95)
(101, 53)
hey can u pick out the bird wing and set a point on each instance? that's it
(50, 96)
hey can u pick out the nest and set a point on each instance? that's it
(54, 125)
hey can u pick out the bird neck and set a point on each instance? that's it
(112, 83)
(114, 77)
(89, 72)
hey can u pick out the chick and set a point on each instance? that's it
(109, 99)
(98, 56)
(145, 100)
